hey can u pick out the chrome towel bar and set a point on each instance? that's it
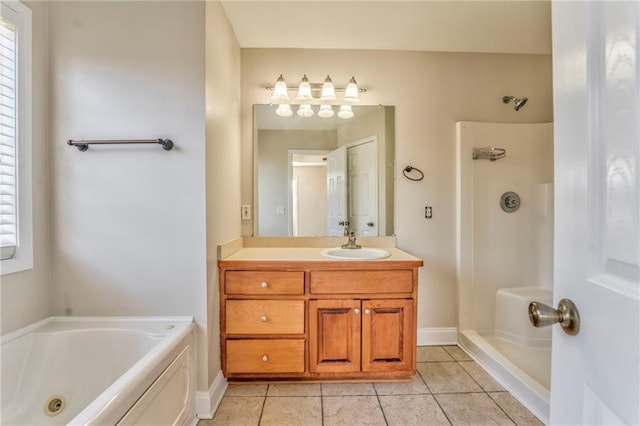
(82, 145)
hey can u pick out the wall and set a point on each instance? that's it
(128, 222)
(431, 91)
(312, 190)
(25, 295)
(222, 159)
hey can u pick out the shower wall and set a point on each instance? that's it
(498, 249)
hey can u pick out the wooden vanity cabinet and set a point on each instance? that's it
(318, 320)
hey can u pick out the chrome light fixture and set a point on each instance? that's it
(351, 93)
(280, 91)
(328, 91)
(304, 90)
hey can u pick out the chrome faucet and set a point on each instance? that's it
(351, 244)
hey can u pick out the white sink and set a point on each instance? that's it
(355, 254)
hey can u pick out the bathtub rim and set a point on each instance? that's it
(118, 398)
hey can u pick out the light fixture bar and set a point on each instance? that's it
(317, 87)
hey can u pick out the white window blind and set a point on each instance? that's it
(8, 140)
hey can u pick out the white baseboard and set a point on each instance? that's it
(207, 402)
(437, 336)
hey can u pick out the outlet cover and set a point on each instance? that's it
(246, 212)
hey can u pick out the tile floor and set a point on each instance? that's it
(450, 389)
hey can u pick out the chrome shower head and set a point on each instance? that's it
(517, 102)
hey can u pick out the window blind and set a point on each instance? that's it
(8, 140)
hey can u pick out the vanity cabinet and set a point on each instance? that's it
(318, 320)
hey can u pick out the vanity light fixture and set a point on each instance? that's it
(284, 110)
(345, 112)
(304, 90)
(328, 91)
(280, 91)
(325, 111)
(305, 111)
(351, 92)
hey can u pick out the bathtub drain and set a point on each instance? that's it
(54, 405)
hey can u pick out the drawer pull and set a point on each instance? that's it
(264, 284)
(356, 311)
(265, 358)
(263, 318)
(367, 311)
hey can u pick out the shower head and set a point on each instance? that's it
(517, 102)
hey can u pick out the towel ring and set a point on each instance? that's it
(410, 169)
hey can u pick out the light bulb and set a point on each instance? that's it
(351, 92)
(280, 91)
(325, 111)
(305, 111)
(328, 91)
(345, 112)
(284, 110)
(304, 90)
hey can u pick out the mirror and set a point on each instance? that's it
(314, 176)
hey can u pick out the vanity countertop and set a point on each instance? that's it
(308, 254)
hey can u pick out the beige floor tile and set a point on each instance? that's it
(352, 410)
(457, 353)
(416, 386)
(343, 389)
(294, 389)
(514, 409)
(446, 377)
(412, 410)
(235, 389)
(482, 377)
(432, 353)
(472, 409)
(292, 410)
(236, 411)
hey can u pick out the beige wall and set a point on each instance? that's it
(222, 158)
(25, 295)
(128, 222)
(431, 91)
(312, 196)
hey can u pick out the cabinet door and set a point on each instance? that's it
(388, 335)
(334, 336)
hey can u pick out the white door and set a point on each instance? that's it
(336, 191)
(595, 376)
(362, 188)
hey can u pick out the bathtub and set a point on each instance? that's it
(99, 371)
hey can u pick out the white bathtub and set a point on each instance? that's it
(106, 370)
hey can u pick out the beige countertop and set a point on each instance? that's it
(308, 254)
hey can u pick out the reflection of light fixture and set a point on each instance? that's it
(280, 92)
(325, 111)
(328, 91)
(284, 110)
(305, 111)
(345, 112)
(351, 92)
(304, 90)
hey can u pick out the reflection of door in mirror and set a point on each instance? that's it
(336, 191)
(308, 175)
(362, 187)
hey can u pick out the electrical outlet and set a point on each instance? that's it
(428, 212)
(246, 212)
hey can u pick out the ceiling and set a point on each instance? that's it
(513, 26)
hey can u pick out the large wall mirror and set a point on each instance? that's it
(315, 176)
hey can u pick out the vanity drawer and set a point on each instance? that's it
(264, 282)
(265, 356)
(265, 316)
(349, 282)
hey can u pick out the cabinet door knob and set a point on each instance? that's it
(367, 311)
(264, 284)
(356, 311)
(263, 318)
(265, 358)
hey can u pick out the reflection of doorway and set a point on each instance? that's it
(307, 192)
(362, 188)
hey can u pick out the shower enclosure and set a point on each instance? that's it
(505, 252)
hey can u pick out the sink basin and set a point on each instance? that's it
(355, 254)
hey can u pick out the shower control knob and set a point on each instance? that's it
(567, 315)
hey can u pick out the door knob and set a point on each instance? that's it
(370, 224)
(567, 315)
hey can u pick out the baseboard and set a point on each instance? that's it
(437, 336)
(207, 402)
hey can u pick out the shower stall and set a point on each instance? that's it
(505, 252)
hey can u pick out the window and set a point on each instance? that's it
(16, 246)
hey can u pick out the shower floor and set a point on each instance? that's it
(525, 371)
